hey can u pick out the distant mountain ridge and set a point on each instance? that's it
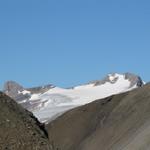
(48, 102)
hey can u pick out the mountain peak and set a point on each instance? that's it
(11, 88)
(135, 80)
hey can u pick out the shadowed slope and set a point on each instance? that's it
(19, 130)
(119, 122)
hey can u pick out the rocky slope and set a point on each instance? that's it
(48, 102)
(118, 122)
(19, 129)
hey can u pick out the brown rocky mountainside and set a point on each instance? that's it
(19, 130)
(119, 122)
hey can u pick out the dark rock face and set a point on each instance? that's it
(119, 122)
(135, 80)
(19, 129)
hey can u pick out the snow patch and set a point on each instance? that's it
(24, 92)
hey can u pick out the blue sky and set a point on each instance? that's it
(68, 42)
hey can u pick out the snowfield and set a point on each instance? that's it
(58, 100)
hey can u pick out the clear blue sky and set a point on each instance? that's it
(68, 42)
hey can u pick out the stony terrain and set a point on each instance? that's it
(19, 129)
(119, 122)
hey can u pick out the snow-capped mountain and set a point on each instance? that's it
(48, 102)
